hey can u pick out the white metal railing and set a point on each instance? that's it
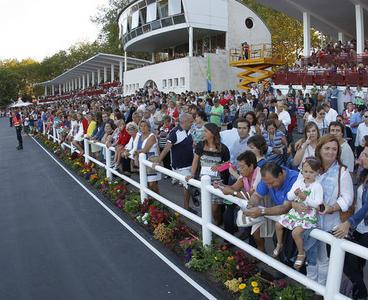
(338, 246)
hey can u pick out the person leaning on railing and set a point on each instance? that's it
(357, 224)
(244, 187)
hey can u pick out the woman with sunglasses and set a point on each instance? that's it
(320, 120)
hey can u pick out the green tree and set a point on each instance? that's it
(107, 19)
(9, 86)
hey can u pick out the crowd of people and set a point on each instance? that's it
(293, 156)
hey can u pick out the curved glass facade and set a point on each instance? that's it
(149, 15)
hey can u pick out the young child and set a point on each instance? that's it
(308, 191)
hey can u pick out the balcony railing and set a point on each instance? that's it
(154, 25)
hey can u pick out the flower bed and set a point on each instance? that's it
(232, 269)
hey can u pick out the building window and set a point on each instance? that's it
(176, 81)
(163, 9)
(182, 81)
(249, 23)
(164, 84)
(142, 16)
(170, 83)
(175, 7)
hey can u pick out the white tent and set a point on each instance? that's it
(20, 103)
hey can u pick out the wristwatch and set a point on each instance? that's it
(263, 211)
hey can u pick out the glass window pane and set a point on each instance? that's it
(151, 12)
(174, 7)
(135, 19)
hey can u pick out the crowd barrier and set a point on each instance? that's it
(338, 246)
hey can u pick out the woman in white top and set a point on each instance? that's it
(78, 133)
(147, 144)
(306, 146)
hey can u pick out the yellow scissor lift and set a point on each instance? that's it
(257, 67)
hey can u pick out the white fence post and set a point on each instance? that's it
(86, 150)
(206, 210)
(44, 128)
(335, 269)
(108, 163)
(53, 133)
(142, 175)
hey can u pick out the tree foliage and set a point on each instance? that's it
(9, 85)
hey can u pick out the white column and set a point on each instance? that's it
(73, 87)
(121, 72)
(125, 70)
(340, 36)
(59, 89)
(359, 19)
(98, 76)
(76, 83)
(88, 82)
(190, 41)
(306, 34)
(64, 87)
(112, 73)
(79, 83)
(53, 90)
(45, 90)
(83, 82)
(105, 74)
(93, 78)
(70, 86)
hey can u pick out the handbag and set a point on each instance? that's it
(244, 221)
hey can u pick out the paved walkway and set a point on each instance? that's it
(57, 242)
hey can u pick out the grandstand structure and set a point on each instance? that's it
(326, 17)
(101, 69)
(190, 42)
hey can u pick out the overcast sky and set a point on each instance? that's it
(39, 28)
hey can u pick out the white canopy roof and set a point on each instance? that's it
(327, 16)
(99, 61)
(20, 103)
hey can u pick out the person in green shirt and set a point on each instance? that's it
(216, 113)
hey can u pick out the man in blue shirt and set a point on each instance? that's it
(180, 143)
(276, 182)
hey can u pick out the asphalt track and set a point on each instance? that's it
(58, 242)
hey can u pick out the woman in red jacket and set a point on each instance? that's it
(123, 139)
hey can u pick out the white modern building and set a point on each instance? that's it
(189, 40)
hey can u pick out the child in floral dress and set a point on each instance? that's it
(308, 191)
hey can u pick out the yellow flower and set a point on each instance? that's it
(230, 258)
(256, 290)
(254, 283)
(242, 286)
